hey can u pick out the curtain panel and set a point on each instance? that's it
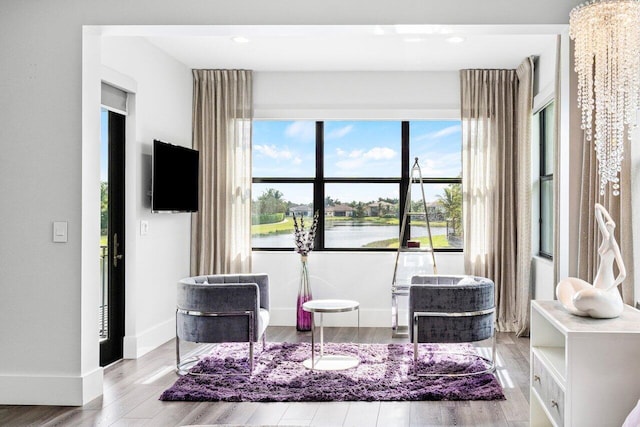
(619, 208)
(222, 114)
(524, 109)
(496, 121)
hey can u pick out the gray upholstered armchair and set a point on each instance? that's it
(452, 309)
(222, 308)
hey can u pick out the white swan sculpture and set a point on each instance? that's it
(601, 300)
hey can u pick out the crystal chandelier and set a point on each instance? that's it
(607, 59)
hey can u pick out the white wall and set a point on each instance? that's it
(49, 291)
(545, 72)
(356, 95)
(363, 276)
(157, 260)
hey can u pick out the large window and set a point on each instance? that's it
(544, 133)
(355, 174)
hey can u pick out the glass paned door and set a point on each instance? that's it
(111, 305)
(103, 308)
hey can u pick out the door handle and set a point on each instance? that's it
(116, 255)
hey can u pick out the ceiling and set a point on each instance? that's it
(347, 47)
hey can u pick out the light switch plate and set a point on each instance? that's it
(60, 231)
(144, 227)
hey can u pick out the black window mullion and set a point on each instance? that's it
(283, 180)
(543, 137)
(361, 180)
(318, 186)
(405, 179)
(544, 177)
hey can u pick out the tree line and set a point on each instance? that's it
(448, 206)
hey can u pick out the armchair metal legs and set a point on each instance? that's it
(490, 362)
(183, 366)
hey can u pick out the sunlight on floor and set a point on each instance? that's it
(501, 372)
(157, 375)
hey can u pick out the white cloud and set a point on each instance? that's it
(380, 153)
(303, 130)
(350, 154)
(272, 152)
(376, 153)
(340, 133)
(449, 130)
(359, 158)
(438, 164)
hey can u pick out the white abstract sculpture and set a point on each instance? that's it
(602, 299)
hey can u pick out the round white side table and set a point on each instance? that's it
(329, 362)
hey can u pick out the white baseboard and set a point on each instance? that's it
(378, 318)
(139, 345)
(51, 390)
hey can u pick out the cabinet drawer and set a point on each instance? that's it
(549, 391)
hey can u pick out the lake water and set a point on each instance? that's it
(347, 236)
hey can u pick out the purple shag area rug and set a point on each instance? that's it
(385, 372)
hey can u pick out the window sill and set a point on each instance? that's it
(542, 259)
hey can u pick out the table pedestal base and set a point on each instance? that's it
(329, 362)
(332, 362)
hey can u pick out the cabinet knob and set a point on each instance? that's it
(536, 378)
(554, 404)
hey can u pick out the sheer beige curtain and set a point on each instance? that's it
(523, 196)
(619, 208)
(496, 117)
(222, 114)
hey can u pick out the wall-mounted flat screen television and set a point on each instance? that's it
(174, 178)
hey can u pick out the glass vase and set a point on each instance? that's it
(303, 322)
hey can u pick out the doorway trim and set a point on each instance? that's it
(129, 85)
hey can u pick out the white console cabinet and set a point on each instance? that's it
(584, 372)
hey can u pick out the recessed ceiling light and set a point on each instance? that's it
(240, 39)
(378, 30)
(422, 29)
(455, 39)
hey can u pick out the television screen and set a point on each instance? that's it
(174, 178)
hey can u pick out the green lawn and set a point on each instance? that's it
(286, 226)
(283, 227)
(439, 241)
(374, 220)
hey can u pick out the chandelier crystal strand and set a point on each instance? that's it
(606, 34)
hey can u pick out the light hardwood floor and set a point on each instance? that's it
(132, 387)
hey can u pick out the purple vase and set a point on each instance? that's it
(303, 322)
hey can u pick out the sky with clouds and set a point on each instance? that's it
(362, 149)
(104, 145)
(356, 149)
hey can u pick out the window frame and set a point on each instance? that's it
(544, 177)
(319, 180)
